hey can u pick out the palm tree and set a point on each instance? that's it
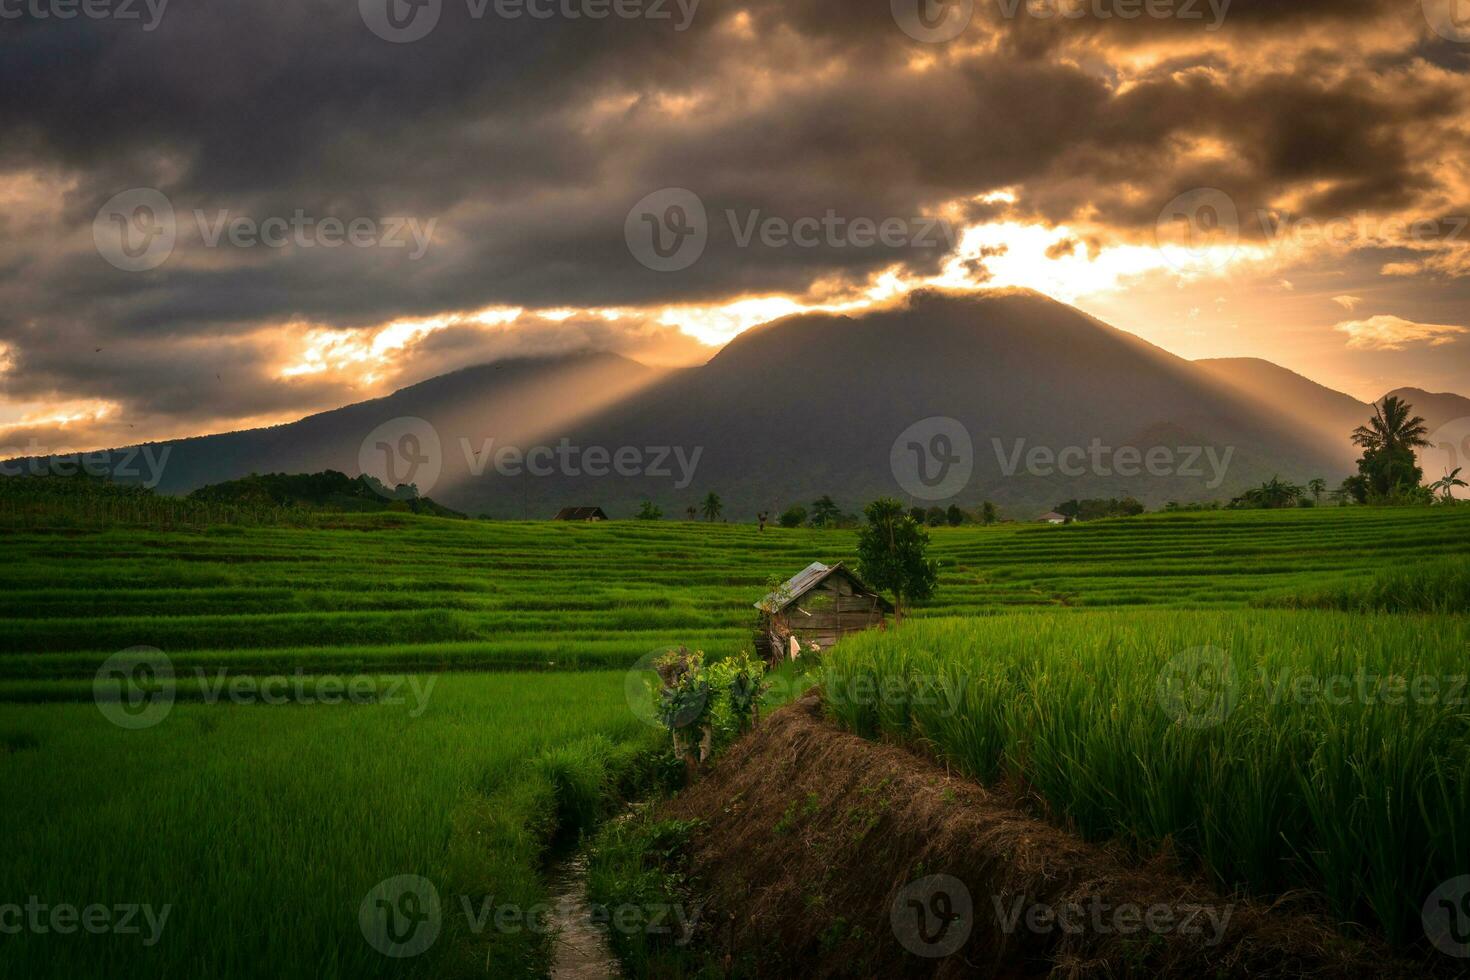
(1318, 488)
(712, 506)
(1388, 442)
(1391, 428)
(691, 512)
(1448, 483)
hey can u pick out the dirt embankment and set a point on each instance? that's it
(828, 855)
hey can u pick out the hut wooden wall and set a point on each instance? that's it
(831, 611)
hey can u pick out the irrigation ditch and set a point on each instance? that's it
(806, 851)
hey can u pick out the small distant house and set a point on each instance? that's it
(820, 605)
(580, 514)
(1052, 517)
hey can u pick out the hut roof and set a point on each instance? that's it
(1052, 516)
(809, 578)
(580, 514)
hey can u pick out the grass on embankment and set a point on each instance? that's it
(1437, 586)
(1250, 741)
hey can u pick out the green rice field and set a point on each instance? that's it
(403, 594)
(1278, 750)
(490, 714)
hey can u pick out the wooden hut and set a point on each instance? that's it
(580, 514)
(820, 605)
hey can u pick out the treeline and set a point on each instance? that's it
(89, 501)
(83, 500)
(824, 513)
(327, 490)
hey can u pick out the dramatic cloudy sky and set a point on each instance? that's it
(1281, 179)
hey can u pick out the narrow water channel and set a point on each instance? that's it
(581, 950)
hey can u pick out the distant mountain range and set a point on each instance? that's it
(1007, 396)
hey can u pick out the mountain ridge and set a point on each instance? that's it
(818, 403)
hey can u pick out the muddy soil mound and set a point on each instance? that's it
(832, 856)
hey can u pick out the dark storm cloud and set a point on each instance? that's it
(527, 141)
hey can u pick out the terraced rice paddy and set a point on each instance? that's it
(264, 825)
(395, 594)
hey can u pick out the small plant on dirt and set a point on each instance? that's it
(739, 683)
(684, 704)
(696, 701)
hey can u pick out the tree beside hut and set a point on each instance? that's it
(819, 605)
